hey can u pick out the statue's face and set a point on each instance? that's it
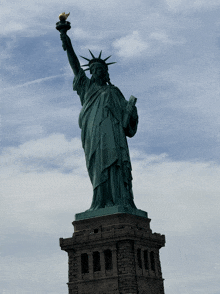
(99, 72)
(98, 69)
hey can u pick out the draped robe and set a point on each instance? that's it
(104, 142)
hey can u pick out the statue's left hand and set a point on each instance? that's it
(134, 114)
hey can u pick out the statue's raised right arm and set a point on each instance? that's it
(73, 59)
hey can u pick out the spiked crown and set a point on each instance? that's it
(96, 60)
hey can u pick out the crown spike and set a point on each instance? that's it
(100, 54)
(85, 58)
(94, 59)
(107, 58)
(111, 63)
(92, 54)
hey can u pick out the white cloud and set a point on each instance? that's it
(131, 45)
(34, 274)
(40, 154)
(36, 202)
(162, 37)
(180, 192)
(82, 34)
(33, 192)
(197, 88)
(151, 43)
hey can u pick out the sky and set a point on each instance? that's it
(168, 56)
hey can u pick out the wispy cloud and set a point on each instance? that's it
(37, 81)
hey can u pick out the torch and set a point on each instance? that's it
(63, 25)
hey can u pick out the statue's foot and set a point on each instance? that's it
(95, 208)
(108, 204)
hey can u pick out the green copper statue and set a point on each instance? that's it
(106, 118)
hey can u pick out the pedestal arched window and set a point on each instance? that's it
(108, 259)
(152, 261)
(139, 258)
(96, 261)
(84, 263)
(146, 260)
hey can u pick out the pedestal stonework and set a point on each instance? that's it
(117, 253)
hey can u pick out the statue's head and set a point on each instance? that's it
(99, 72)
(98, 67)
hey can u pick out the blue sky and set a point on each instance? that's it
(168, 56)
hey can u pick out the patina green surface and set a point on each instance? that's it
(106, 119)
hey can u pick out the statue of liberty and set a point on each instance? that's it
(106, 118)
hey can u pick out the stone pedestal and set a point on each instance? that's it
(116, 253)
